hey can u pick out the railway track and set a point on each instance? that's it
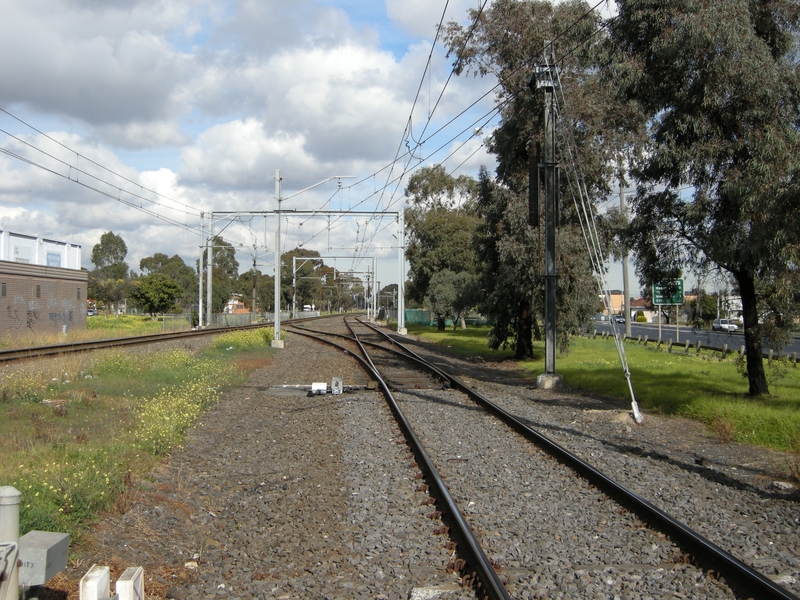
(503, 501)
(16, 354)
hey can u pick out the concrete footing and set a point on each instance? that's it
(277, 344)
(549, 381)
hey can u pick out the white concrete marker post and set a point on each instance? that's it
(130, 585)
(96, 584)
(9, 531)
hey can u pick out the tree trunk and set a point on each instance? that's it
(524, 334)
(752, 335)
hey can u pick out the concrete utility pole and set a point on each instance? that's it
(544, 78)
(277, 342)
(401, 283)
(254, 286)
(208, 268)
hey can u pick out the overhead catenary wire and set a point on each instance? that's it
(101, 192)
(409, 156)
(391, 181)
(79, 155)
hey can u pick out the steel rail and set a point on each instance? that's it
(469, 547)
(740, 577)
(420, 362)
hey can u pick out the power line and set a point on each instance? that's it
(79, 155)
(79, 172)
(99, 191)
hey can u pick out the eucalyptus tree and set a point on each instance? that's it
(108, 281)
(718, 174)
(440, 225)
(176, 270)
(507, 43)
(155, 293)
(511, 255)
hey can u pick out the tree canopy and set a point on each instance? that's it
(508, 42)
(440, 229)
(155, 293)
(175, 269)
(718, 173)
(108, 281)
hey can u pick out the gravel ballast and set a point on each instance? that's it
(280, 495)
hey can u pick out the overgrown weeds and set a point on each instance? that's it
(74, 438)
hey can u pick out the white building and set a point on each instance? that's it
(32, 250)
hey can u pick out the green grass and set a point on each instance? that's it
(463, 342)
(97, 328)
(704, 387)
(76, 432)
(123, 325)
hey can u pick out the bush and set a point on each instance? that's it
(640, 318)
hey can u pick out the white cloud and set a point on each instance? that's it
(103, 66)
(227, 93)
(421, 17)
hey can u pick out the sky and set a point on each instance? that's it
(138, 116)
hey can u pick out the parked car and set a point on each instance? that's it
(618, 319)
(92, 312)
(724, 325)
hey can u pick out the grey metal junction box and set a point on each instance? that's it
(43, 554)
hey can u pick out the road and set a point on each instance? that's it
(706, 338)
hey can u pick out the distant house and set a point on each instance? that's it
(644, 306)
(614, 299)
(235, 306)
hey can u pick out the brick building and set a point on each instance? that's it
(42, 287)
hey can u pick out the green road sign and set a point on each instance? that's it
(668, 292)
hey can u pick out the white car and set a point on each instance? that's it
(724, 325)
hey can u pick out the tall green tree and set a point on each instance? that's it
(110, 253)
(176, 270)
(108, 281)
(511, 255)
(718, 175)
(155, 293)
(440, 225)
(508, 42)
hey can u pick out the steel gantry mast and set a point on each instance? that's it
(398, 215)
(544, 77)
